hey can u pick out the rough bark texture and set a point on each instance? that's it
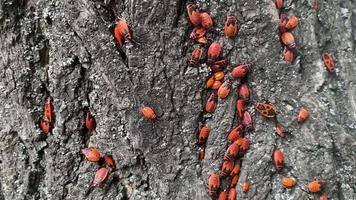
(66, 49)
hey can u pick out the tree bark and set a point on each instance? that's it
(66, 50)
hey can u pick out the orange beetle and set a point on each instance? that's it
(280, 131)
(148, 113)
(198, 32)
(206, 20)
(245, 145)
(247, 121)
(234, 181)
(235, 133)
(227, 167)
(323, 197)
(266, 109)
(222, 195)
(100, 176)
(216, 85)
(219, 76)
(90, 122)
(329, 62)
(214, 183)
(240, 107)
(201, 153)
(241, 71)
(196, 55)
(288, 55)
(230, 27)
(225, 89)
(245, 186)
(288, 182)
(283, 20)
(48, 109)
(315, 186)
(292, 22)
(279, 4)
(236, 170)
(288, 40)
(122, 31)
(193, 14)
(45, 126)
(278, 159)
(203, 135)
(232, 194)
(109, 161)
(303, 115)
(91, 154)
(231, 152)
(244, 92)
(210, 105)
(210, 82)
(214, 51)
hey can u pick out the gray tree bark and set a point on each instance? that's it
(66, 49)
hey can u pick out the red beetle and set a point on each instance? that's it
(236, 170)
(232, 152)
(244, 92)
(227, 167)
(232, 194)
(203, 135)
(193, 14)
(216, 85)
(288, 55)
(230, 27)
(329, 62)
(206, 20)
(45, 125)
(283, 20)
(266, 109)
(323, 197)
(218, 66)
(100, 176)
(241, 71)
(279, 4)
(247, 121)
(198, 32)
(234, 181)
(278, 159)
(210, 105)
(225, 89)
(90, 122)
(235, 133)
(280, 131)
(196, 56)
(241, 108)
(292, 22)
(214, 184)
(222, 195)
(316, 186)
(122, 31)
(244, 146)
(110, 162)
(148, 113)
(214, 52)
(91, 154)
(202, 40)
(288, 40)
(48, 110)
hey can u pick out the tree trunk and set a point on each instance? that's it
(66, 50)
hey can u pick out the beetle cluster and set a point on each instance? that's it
(92, 154)
(285, 26)
(221, 86)
(46, 120)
